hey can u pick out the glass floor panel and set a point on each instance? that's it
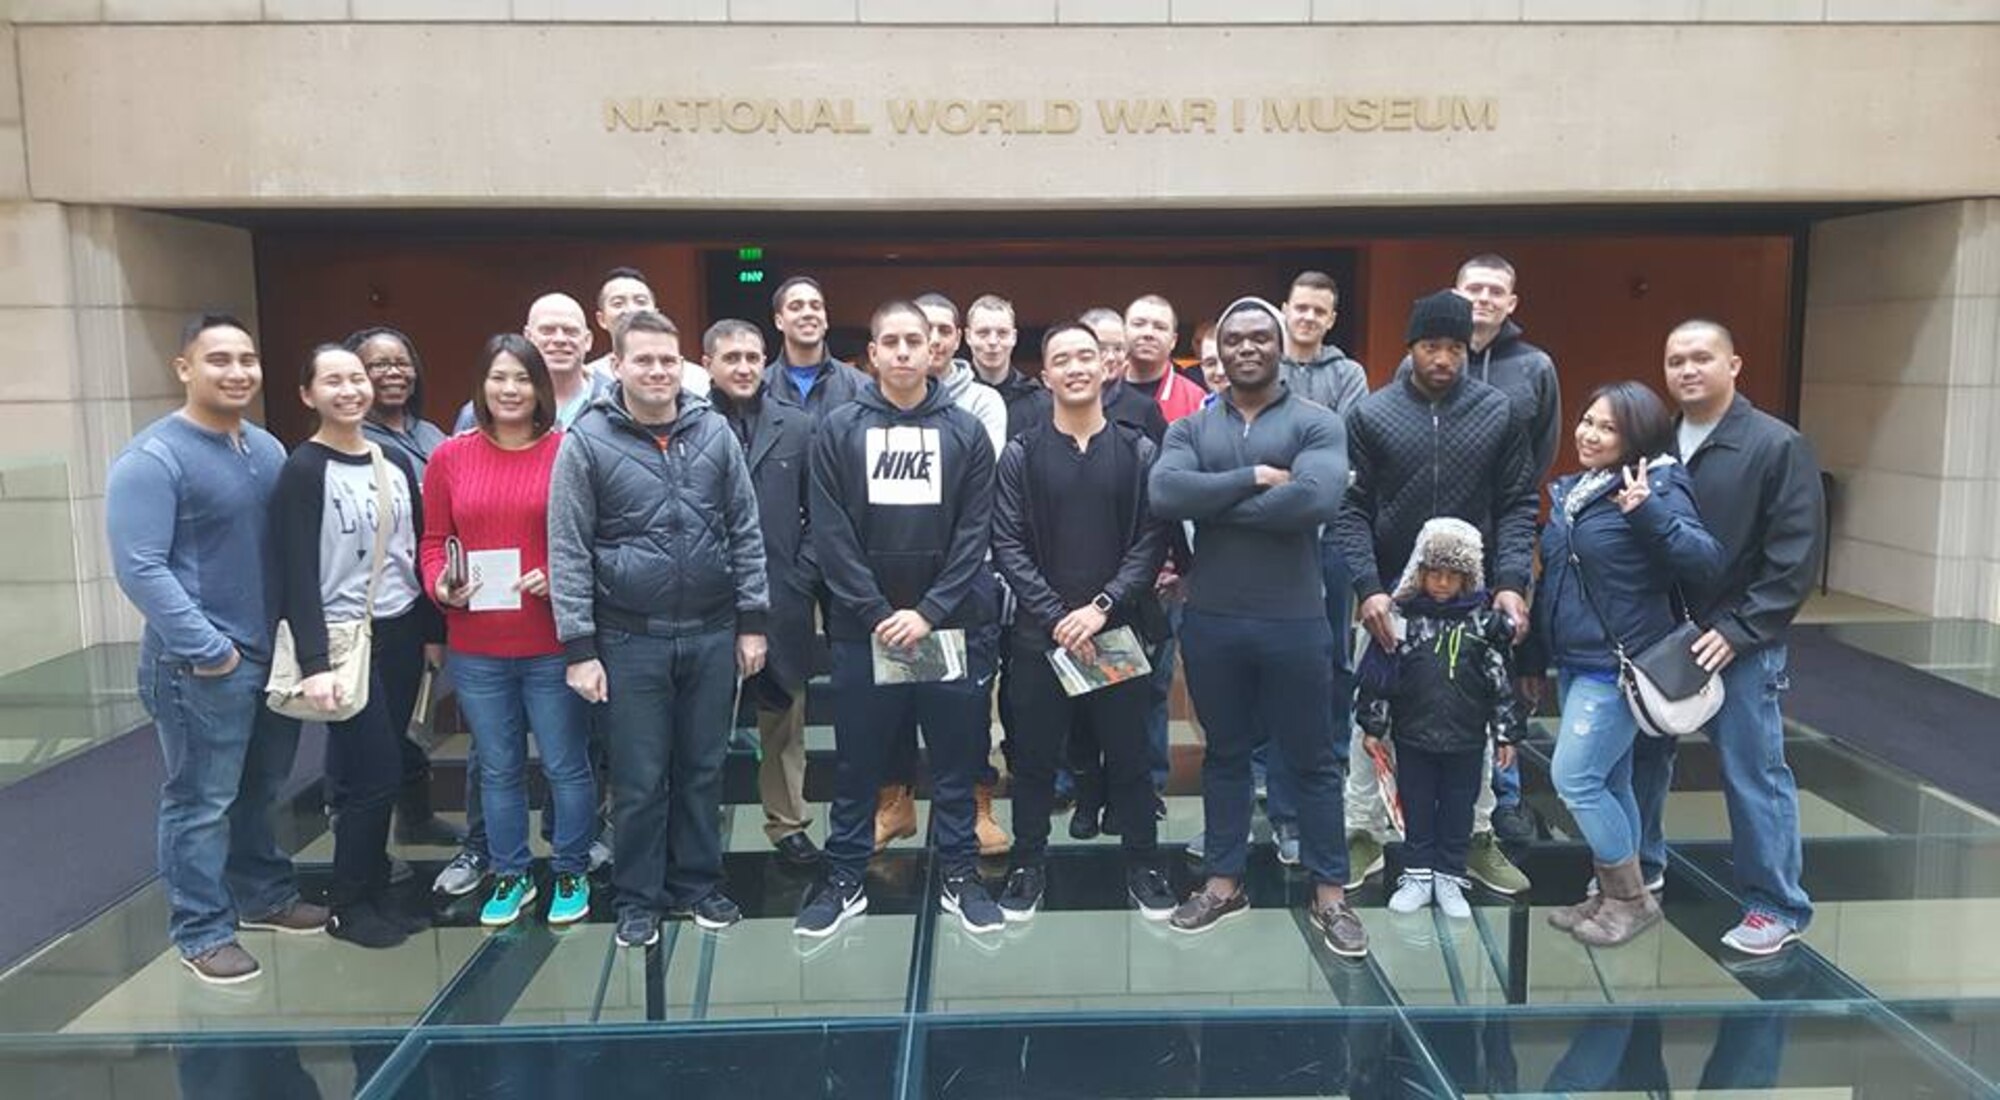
(1964, 651)
(52, 711)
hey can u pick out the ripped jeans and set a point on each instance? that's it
(1757, 786)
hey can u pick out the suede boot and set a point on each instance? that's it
(1627, 907)
(1567, 917)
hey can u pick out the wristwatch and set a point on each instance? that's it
(1102, 602)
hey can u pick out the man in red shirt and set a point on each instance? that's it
(1150, 336)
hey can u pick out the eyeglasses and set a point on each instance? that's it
(384, 366)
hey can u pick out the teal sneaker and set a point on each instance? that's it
(511, 894)
(572, 900)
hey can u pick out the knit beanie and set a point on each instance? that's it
(1442, 315)
(1254, 304)
(1445, 543)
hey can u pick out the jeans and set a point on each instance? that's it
(1116, 716)
(1507, 785)
(1367, 814)
(867, 718)
(667, 724)
(1762, 796)
(226, 755)
(1253, 678)
(1437, 789)
(1338, 591)
(1592, 768)
(1162, 694)
(503, 698)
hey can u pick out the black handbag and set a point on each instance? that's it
(1670, 694)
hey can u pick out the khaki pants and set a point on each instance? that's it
(781, 774)
(1367, 814)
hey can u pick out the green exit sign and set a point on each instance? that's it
(749, 255)
(755, 276)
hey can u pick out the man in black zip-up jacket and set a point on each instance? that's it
(902, 497)
(656, 577)
(1075, 541)
(1259, 472)
(1758, 488)
(1434, 443)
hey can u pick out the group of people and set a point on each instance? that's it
(612, 555)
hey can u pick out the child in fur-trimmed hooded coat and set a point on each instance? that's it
(1447, 688)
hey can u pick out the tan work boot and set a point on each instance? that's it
(1626, 907)
(895, 816)
(1567, 917)
(993, 840)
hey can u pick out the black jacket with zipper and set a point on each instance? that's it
(1758, 487)
(1527, 375)
(1414, 459)
(902, 503)
(1024, 538)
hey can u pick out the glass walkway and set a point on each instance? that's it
(1895, 991)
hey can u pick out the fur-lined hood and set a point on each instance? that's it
(1445, 542)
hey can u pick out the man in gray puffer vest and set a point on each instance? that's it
(656, 577)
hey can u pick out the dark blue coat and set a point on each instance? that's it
(1634, 562)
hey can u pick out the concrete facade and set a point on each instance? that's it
(343, 103)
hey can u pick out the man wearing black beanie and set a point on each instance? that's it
(1434, 443)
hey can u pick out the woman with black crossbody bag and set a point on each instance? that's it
(1622, 535)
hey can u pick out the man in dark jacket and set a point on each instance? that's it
(902, 495)
(990, 335)
(1074, 540)
(804, 372)
(1434, 443)
(656, 577)
(1259, 472)
(1757, 485)
(776, 437)
(1499, 357)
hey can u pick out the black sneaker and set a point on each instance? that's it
(798, 850)
(363, 925)
(1022, 894)
(1083, 822)
(837, 900)
(1204, 910)
(638, 928)
(966, 895)
(1151, 894)
(714, 912)
(1107, 822)
(1514, 824)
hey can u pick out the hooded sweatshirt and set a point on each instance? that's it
(962, 386)
(901, 504)
(1527, 375)
(1330, 378)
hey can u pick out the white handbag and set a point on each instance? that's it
(349, 644)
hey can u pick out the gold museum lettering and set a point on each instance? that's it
(961, 117)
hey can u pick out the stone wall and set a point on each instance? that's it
(1901, 396)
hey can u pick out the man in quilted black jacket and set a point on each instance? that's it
(1434, 443)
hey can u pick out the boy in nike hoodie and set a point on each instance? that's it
(902, 494)
(1447, 687)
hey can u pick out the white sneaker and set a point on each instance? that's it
(1413, 892)
(1450, 896)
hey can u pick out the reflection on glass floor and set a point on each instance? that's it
(1895, 992)
(54, 710)
(1960, 650)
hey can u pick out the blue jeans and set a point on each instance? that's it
(1159, 743)
(503, 698)
(1757, 786)
(667, 726)
(227, 755)
(867, 722)
(1250, 677)
(1593, 763)
(1507, 785)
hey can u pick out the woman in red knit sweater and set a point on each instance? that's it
(489, 488)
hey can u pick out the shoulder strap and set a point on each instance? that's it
(1583, 584)
(384, 516)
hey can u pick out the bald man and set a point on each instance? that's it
(560, 330)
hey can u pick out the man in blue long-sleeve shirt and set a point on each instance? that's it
(187, 505)
(1259, 472)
